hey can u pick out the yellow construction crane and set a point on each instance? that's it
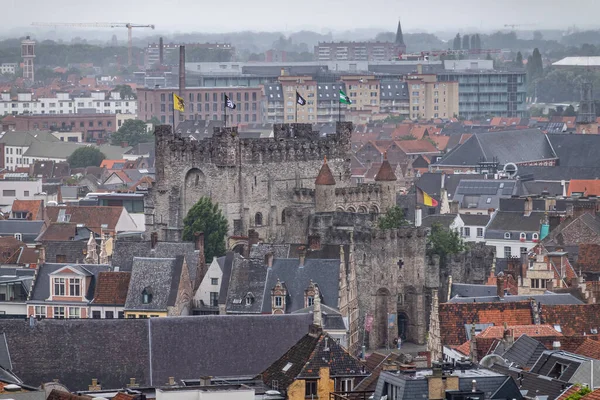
(127, 25)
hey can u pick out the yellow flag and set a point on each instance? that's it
(178, 103)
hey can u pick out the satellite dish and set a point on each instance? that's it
(511, 169)
(492, 359)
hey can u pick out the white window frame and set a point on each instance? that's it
(522, 235)
(506, 235)
(55, 313)
(76, 286)
(39, 311)
(74, 312)
(57, 281)
(278, 301)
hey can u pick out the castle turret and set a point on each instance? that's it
(325, 189)
(387, 179)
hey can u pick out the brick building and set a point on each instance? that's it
(202, 103)
(94, 126)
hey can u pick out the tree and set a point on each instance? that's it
(133, 131)
(125, 91)
(519, 60)
(86, 156)
(466, 43)
(476, 41)
(206, 217)
(559, 110)
(569, 111)
(154, 121)
(444, 242)
(392, 219)
(457, 42)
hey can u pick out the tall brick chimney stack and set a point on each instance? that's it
(161, 52)
(181, 70)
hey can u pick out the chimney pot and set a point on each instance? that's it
(500, 285)
(269, 259)
(556, 345)
(474, 385)
(302, 255)
(171, 381)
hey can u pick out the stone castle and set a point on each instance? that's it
(296, 188)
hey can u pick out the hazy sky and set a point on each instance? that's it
(319, 15)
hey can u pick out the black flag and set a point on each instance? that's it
(299, 99)
(229, 103)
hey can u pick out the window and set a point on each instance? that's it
(59, 312)
(26, 193)
(311, 388)
(214, 299)
(74, 287)
(523, 250)
(18, 236)
(535, 236)
(506, 235)
(467, 232)
(522, 236)
(310, 301)
(74, 312)
(40, 311)
(258, 220)
(346, 385)
(121, 314)
(278, 301)
(507, 253)
(109, 314)
(214, 281)
(557, 370)
(248, 300)
(479, 232)
(96, 314)
(59, 287)
(9, 193)
(146, 296)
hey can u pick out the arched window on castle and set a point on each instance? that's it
(258, 220)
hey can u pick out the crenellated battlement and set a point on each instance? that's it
(361, 188)
(291, 142)
(402, 233)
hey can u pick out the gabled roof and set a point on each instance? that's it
(497, 332)
(303, 361)
(445, 220)
(416, 146)
(93, 217)
(475, 219)
(160, 277)
(472, 290)
(29, 229)
(247, 278)
(588, 187)
(111, 288)
(524, 352)
(62, 231)
(519, 146)
(385, 173)
(534, 384)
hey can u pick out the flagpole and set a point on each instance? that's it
(173, 98)
(296, 107)
(225, 103)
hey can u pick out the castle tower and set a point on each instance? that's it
(28, 54)
(387, 179)
(325, 189)
(91, 256)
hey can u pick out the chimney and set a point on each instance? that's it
(556, 345)
(269, 259)
(418, 217)
(181, 70)
(95, 386)
(252, 240)
(549, 284)
(132, 383)
(500, 285)
(153, 240)
(161, 59)
(420, 69)
(205, 380)
(491, 211)
(301, 255)
(171, 381)
(473, 386)
(454, 207)
(199, 241)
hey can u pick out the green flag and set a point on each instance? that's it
(344, 99)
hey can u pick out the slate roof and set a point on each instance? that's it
(443, 219)
(29, 229)
(533, 384)
(549, 358)
(332, 319)
(41, 286)
(524, 352)
(518, 146)
(26, 138)
(61, 231)
(573, 319)
(472, 290)
(547, 299)
(113, 351)
(323, 272)
(483, 194)
(304, 360)
(475, 219)
(248, 277)
(111, 288)
(159, 276)
(515, 223)
(385, 173)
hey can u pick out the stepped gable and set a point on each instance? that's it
(385, 173)
(325, 176)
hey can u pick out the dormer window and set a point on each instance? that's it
(535, 236)
(249, 299)
(522, 236)
(19, 237)
(146, 296)
(506, 235)
(278, 301)
(310, 301)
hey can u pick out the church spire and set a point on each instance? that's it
(399, 35)
(385, 173)
(325, 176)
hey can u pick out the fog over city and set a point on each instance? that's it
(317, 15)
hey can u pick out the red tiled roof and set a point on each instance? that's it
(33, 207)
(111, 288)
(464, 348)
(108, 164)
(569, 392)
(454, 316)
(401, 130)
(586, 186)
(595, 395)
(418, 131)
(59, 231)
(497, 332)
(441, 142)
(574, 320)
(588, 259)
(464, 137)
(145, 181)
(325, 176)
(589, 348)
(93, 217)
(416, 146)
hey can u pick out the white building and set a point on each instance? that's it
(474, 227)
(98, 102)
(207, 296)
(18, 186)
(512, 233)
(8, 68)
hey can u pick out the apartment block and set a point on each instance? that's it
(430, 99)
(65, 103)
(364, 91)
(307, 88)
(94, 126)
(205, 103)
(355, 51)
